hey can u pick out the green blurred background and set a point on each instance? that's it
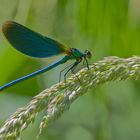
(106, 27)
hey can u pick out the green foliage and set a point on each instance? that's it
(59, 97)
(104, 27)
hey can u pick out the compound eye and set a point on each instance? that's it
(88, 54)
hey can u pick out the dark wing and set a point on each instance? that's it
(30, 42)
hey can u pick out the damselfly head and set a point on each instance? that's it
(87, 54)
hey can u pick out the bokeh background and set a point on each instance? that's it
(105, 27)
